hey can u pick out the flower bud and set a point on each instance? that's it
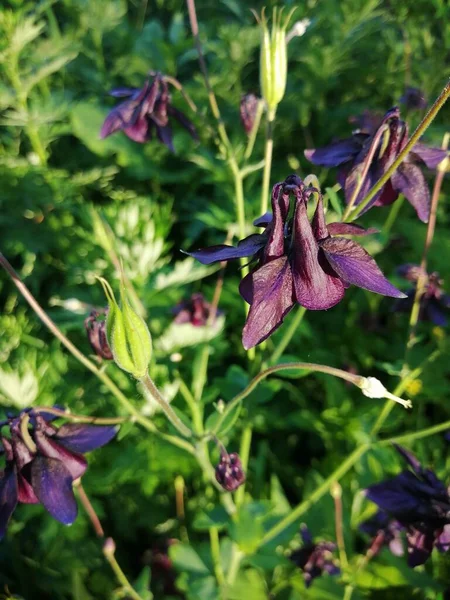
(127, 333)
(95, 325)
(247, 111)
(273, 59)
(229, 471)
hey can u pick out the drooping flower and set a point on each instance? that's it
(414, 98)
(314, 559)
(420, 503)
(145, 112)
(229, 472)
(384, 144)
(196, 311)
(43, 461)
(247, 111)
(434, 302)
(297, 262)
(95, 325)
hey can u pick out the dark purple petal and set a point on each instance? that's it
(354, 265)
(420, 546)
(410, 181)
(8, 497)
(443, 541)
(25, 491)
(430, 156)
(246, 247)
(398, 496)
(319, 224)
(164, 134)
(264, 220)
(22, 454)
(127, 113)
(272, 300)
(123, 92)
(435, 313)
(75, 464)
(52, 483)
(315, 288)
(138, 132)
(246, 287)
(410, 458)
(335, 153)
(183, 121)
(82, 438)
(349, 229)
(275, 231)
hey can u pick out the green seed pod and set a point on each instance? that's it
(273, 59)
(128, 335)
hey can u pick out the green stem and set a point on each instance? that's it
(194, 407)
(254, 131)
(215, 555)
(148, 384)
(244, 455)
(423, 126)
(239, 201)
(65, 414)
(235, 563)
(392, 216)
(268, 151)
(201, 372)
(120, 575)
(288, 334)
(299, 366)
(103, 377)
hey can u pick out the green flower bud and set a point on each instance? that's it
(128, 335)
(273, 59)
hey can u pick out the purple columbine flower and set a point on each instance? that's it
(314, 559)
(420, 503)
(145, 112)
(95, 325)
(247, 111)
(384, 144)
(297, 262)
(434, 303)
(43, 461)
(195, 311)
(414, 99)
(229, 472)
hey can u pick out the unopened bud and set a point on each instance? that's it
(373, 388)
(247, 111)
(109, 547)
(273, 59)
(128, 335)
(229, 471)
(95, 325)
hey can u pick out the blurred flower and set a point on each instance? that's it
(434, 302)
(146, 111)
(314, 558)
(229, 471)
(95, 325)
(420, 503)
(414, 99)
(385, 531)
(367, 122)
(43, 461)
(386, 142)
(297, 262)
(247, 110)
(196, 311)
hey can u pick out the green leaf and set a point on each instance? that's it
(226, 424)
(185, 558)
(142, 584)
(335, 202)
(46, 70)
(250, 585)
(217, 517)
(124, 430)
(79, 591)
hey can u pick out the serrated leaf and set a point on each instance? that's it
(46, 70)
(183, 272)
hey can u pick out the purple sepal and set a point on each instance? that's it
(420, 546)
(350, 229)
(79, 437)
(334, 154)
(75, 464)
(410, 181)
(52, 483)
(429, 155)
(8, 497)
(246, 247)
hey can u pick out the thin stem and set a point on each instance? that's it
(235, 563)
(90, 511)
(254, 131)
(244, 455)
(101, 375)
(194, 407)
(239, 201)
(392, 216)
(423, 126)
(215, 555)
(336, 492)
(268, 151)
(109, 550)
(423, 276)
(288, 335)
(168, 410)
(367, 162)
(299, 366)
(66, 414)
(416, 435)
